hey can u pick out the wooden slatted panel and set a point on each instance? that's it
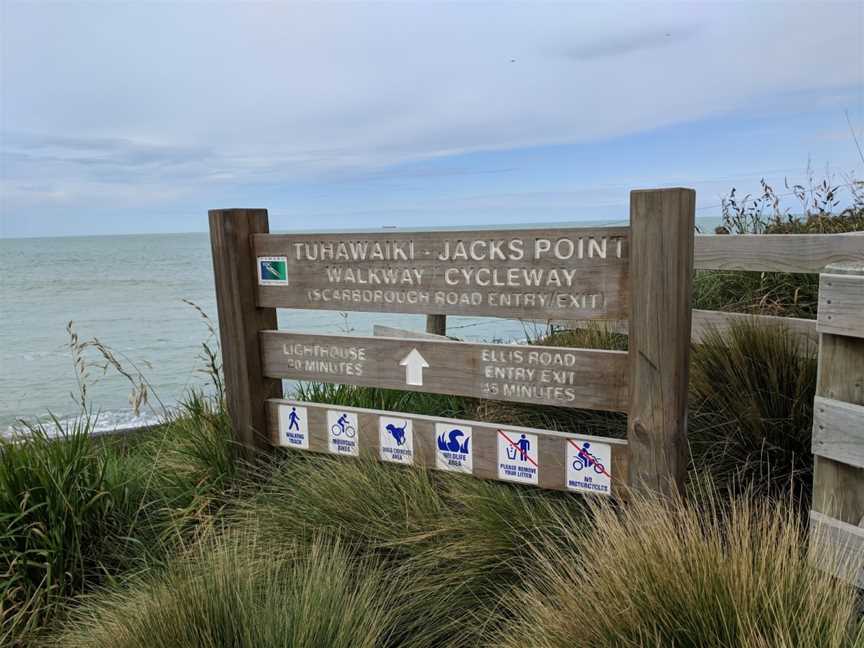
(838, 488)
(838, 431)
(808, 253)
(584, 378)
(552, 450)
(837, 547)
(841, 304)
(520, 273)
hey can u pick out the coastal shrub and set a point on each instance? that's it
(483, 553)
(759, 293)
(68, 509)
(79, 510)
(589, 335)
(460, 541)
(776, 293)
(752, 391)
(305, 597)
(374, 507)
(679, 574)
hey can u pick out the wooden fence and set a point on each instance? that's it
(638, 278)
(641, 273)
(792, 253)
(837, 516)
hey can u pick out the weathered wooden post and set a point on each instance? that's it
(661, 269)
(837, 516)
(240, 320)
(436, 324)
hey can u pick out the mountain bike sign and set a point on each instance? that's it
(342, 433)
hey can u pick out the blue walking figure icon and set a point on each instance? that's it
(294, 420)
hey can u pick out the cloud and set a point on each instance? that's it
(628, 43)
(109, 102)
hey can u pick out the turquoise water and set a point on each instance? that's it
(128, 291)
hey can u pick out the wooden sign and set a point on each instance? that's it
(566, 273)
(585, 378)
(641, 273)
(485, 450)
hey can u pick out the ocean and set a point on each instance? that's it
(129, 292)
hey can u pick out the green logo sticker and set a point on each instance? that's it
(272, 270)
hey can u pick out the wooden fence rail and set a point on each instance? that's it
(804, 253)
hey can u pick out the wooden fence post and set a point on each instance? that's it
(436, 324)
(837, 515)
(240, 320)
(661, 269)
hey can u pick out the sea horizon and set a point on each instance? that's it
(130, 294)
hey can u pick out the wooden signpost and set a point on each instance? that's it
(640, 273)
(585, 378)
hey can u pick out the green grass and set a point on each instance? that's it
(771, 293)
(79, 511)
(751, 401)
(306, 596)
(69, 511)
(720, 574)
(460, 540)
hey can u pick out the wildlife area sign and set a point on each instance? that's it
(641, 273)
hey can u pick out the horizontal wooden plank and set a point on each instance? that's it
(838, 431)
(841, 305)
(808, 253)
(584, 378)
(518, 273)
(837, 547)
(551, 460)
(705, 321)
(379, 330)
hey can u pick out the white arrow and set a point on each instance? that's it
(414, 364)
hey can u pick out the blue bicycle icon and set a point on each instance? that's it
(341, 427)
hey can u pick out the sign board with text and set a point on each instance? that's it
(641, 273)
(566, 273)
(585, 378)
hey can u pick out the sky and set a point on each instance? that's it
(121, 118)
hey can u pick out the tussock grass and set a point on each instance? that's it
(68, 511)
(758, 293)
(376, 508)
(591, 335)
(301, 596)
(77, 511)
(677, 574)
(461, 542)
(752, 391)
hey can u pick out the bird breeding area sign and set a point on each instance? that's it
(554, 274)
(639, 273)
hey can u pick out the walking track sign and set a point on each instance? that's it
(641, 273)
